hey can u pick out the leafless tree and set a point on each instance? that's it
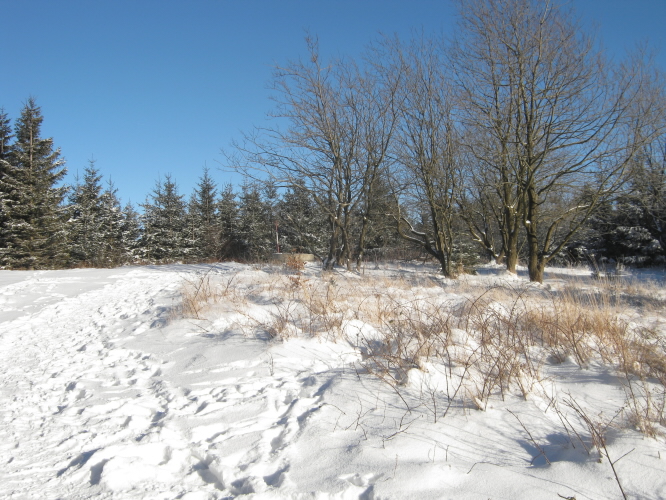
(481, 209)
(338, 122)
(427, 169)
(647, 182)
(548, 115)
(377, 109)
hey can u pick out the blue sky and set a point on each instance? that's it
(150, 87)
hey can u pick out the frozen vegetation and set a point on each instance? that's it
(271, 382)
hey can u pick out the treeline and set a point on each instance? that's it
(518, 128)
(47, 225)
(517, 139)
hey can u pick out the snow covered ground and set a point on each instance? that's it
(281, 384)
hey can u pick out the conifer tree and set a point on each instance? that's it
(113, 220)
(227, 209)
(193, 230)
(649, 197)
(96, 222)
(205, 227)
(130, 235)
(85, 222)
(374, 229)
(5, 138)
(303, 226)
(164, 224)
(33, 231)
(255, 227)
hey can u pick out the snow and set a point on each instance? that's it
(107, 391)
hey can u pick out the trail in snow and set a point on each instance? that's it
(69, 389)
(102, 397)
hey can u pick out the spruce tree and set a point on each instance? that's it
(649, 197)
(229, 239)
(203, 221)
(130, 235)
(5, 139)
(33, 232)
(5, 147)
(255, 224)
(303, 227)
(164, 224)
(193, 230)
(85, 225)
(96, 222)
(112, 224)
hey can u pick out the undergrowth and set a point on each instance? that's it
(484, 344)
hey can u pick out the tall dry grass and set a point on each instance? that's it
(487, 343)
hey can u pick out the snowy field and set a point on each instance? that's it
(233, 381)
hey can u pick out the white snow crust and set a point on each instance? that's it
(106, 391)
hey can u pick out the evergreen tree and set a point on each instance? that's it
(632, 227)
(5, 139)
(33, 231)
(205, 226)
(255, 227)
(85, 222)
(374, 229)
(193, 230)
(113, 221)
(649, 199)
(164, 224)
(229, 239)
(130, 235)
(5, 147)
(96, 222)
(303, 227)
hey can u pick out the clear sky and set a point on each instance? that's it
(149, 87)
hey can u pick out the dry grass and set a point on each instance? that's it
(197, 295)
(487, 344)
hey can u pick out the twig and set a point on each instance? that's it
(598, 438)
(477, 463)
(400, 428)
(541, 450)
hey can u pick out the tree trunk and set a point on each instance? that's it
(512, 252)
(535, 262)
(536, 268)
(446, 265)
(533, 265)
(361, 243)
(443, 259)
(331, 258)
(499, 258)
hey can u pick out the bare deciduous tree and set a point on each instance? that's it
(377, 109)
(427, 167)
(548, 117)
(339, 122)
